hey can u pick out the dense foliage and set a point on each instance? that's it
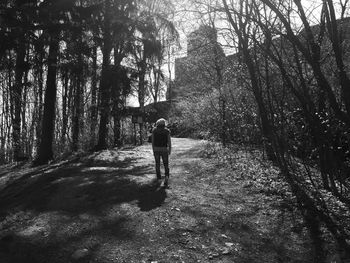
(293, 61)
(67, 68)
(200, 117)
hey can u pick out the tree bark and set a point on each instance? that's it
(39, 96)
(94, 99)
(312, 55)
(266, 128)
(335, 37)
(17, 99)
(117, 124)
(45, 152)
(65, 104)
(142, 92)
(105, 87)
(77, 107)
(24, 131)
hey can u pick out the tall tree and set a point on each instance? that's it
(149, 50)
(110, 31)
(239, 24)
(55, 11)
(16, 29)
(284, 60)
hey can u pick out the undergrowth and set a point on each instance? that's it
(250, 167)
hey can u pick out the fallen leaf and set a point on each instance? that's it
(80, 253)
(226, 251)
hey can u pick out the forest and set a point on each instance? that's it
(286, 90)
(262, 75)
(67, 68)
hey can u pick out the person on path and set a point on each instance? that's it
(161, 146)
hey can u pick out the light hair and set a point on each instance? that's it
(160, 122)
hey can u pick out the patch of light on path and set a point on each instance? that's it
(99, 168)
(147, 178)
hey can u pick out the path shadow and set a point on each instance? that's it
(77, 188)
(261, 240)
(16, 248)
(152, 197)
(88, 188)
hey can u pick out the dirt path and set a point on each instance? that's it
(106, 208)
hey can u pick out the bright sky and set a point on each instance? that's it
(187, 19)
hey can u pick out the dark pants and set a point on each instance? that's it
(165, 158)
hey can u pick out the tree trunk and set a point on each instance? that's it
(77, 109)
(335, 38)
(156, 82)
(169, 76)
(3, 123)
(9, 109)
(94, 100)
(65, 105)
(223, 120)
(77, 112)
(24, 131)
(105, 89)
(116, 94)
(17, 99)
(141, 93)
(45, 153)
(117, 126)
(39, 99)
(266, 129)
(142, 84)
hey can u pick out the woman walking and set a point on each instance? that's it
(161, 145)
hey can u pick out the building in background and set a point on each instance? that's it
(198, 72)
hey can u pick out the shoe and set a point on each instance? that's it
(166, 181)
